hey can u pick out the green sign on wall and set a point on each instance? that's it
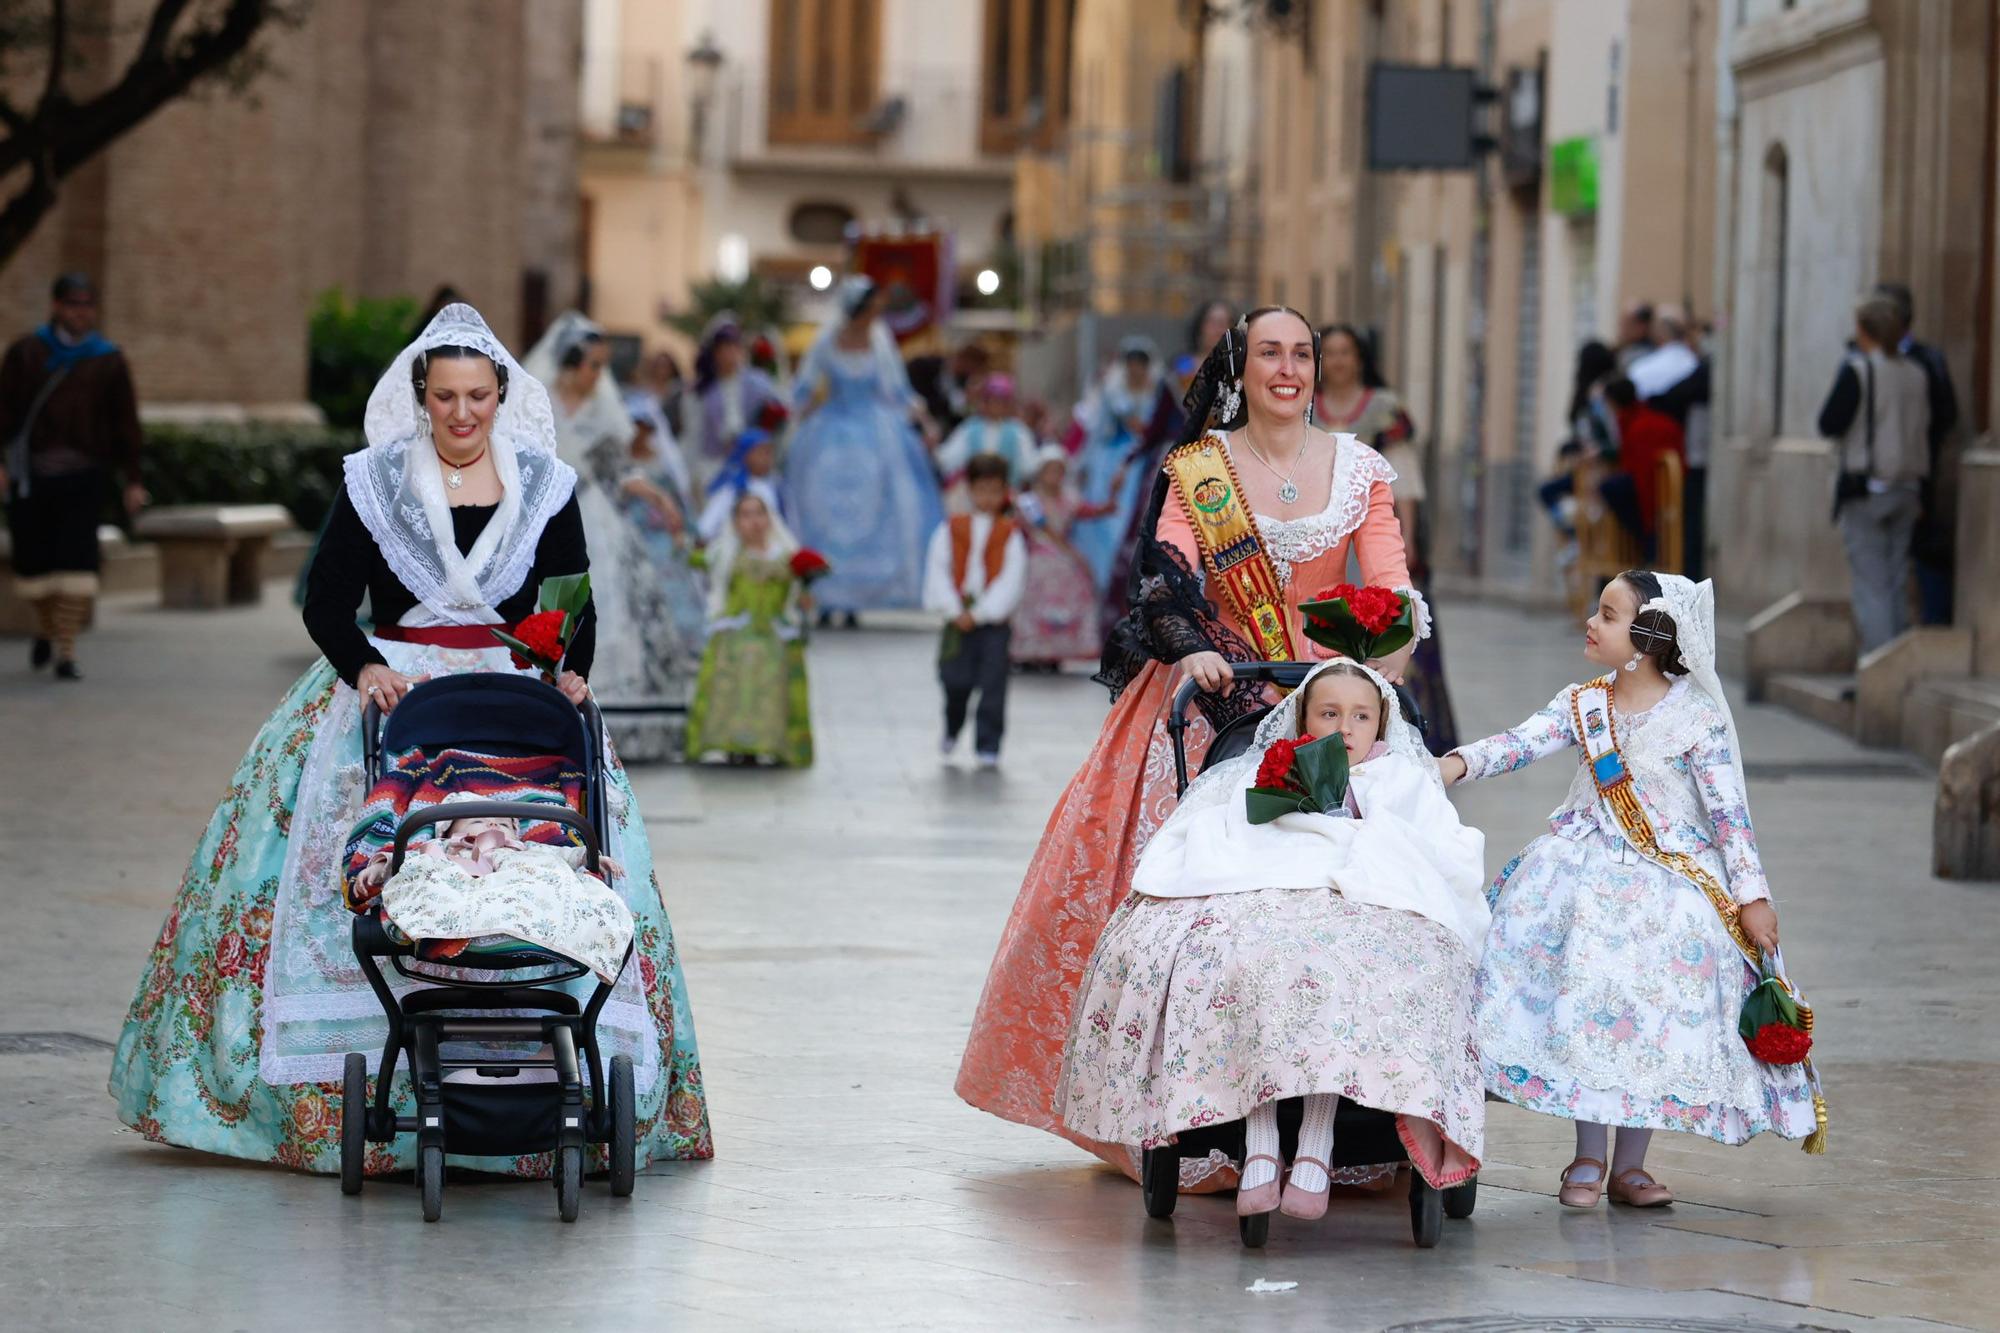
(1573, 176)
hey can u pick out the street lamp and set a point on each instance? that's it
(988, 282)
(704, 61)
(821, 277)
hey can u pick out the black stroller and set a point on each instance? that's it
(1362, 1136)
(498, 715)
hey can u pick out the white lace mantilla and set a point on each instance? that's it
(397, 488)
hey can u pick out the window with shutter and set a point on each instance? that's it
(825, 70)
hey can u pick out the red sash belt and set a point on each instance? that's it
(442, 636)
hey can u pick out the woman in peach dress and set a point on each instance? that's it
(1317, 499)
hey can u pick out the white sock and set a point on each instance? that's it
(1260, 1135)
(1315, 1141)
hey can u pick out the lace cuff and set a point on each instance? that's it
(1420, 612)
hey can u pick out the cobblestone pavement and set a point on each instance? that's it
(836, 926)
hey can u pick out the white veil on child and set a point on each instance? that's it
(1692, 606)
(1407, 852)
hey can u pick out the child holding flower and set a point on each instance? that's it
(751, 704)
(974, 573)
(1281, 941)
(1618, 975)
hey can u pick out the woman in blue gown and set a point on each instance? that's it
(1130, 411)
(858, 478)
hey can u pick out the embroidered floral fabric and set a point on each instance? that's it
(1610, 989)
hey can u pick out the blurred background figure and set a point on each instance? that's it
(70, 422)
(858, 478)
(995, 429)
(1130, 413)
(646, 660)
(730, 396)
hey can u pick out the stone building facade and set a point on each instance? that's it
(389, 148)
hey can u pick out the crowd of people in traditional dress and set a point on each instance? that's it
(1170, 961)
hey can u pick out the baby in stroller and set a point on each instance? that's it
(1313, 959)
(478, 882)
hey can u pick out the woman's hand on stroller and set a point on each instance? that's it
(1210, 670)
(573, 687)
(384, 685)
(1395, 664)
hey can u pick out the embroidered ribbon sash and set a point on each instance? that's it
(1232, 550)
(1597, 732)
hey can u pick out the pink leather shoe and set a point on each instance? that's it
(1583, 1193)
(1306, 1204)
(1262, 1198)
(1635, 1188)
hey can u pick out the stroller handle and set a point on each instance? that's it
(1288, 674)
(456, 810)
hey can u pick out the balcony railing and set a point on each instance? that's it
(920, 117)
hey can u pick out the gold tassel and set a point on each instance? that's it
(1816, 1141)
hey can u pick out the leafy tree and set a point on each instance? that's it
(352, 340)
(43, 45)
(756, 306)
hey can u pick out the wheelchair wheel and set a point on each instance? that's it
(569, 1182)
(1426, 1212)
(1255, 1230)
(430, 1181)
(353, 1121)
(1459, 1200)
(1160, 1180)
(624, 1127)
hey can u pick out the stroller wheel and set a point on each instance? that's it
(1459, 1200)
(569, 1182)
(1160, 1180)
(1254, 1229)
(1426, 1212)
(624, 1127)
(353, 1121)
(430, 1181)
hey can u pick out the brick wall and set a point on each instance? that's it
(389, 148)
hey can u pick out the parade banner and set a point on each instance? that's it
(916, 273)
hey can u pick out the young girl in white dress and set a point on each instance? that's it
(1318, 956)
(1612, 981)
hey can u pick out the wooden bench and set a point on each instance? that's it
(212, 555)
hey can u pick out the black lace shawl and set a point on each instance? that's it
(1168, 615)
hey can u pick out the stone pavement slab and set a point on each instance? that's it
(835, 928)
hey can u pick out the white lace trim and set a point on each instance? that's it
(1420, 612)
(1291, 541)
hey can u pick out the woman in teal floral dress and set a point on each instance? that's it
(448, 520)
(750, 702)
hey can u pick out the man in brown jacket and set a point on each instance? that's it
(69, 420)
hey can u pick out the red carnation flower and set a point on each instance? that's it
(772, 415)
(542, 632)
(1375, 609)
(1780, 1044)
(1277, 765)
(808, 564)
(1338, 592)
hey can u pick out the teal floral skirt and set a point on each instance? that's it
(251, 998)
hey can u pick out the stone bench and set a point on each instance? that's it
(212, 555)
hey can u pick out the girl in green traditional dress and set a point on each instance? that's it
(750, 703)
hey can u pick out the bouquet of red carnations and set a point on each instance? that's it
(1362, 624)
(542, 639)
(1772, 1024)
(772, 416)
(1300, 777)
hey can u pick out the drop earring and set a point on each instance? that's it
(1633, 665)
(1232, 401)
(1309, 410)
